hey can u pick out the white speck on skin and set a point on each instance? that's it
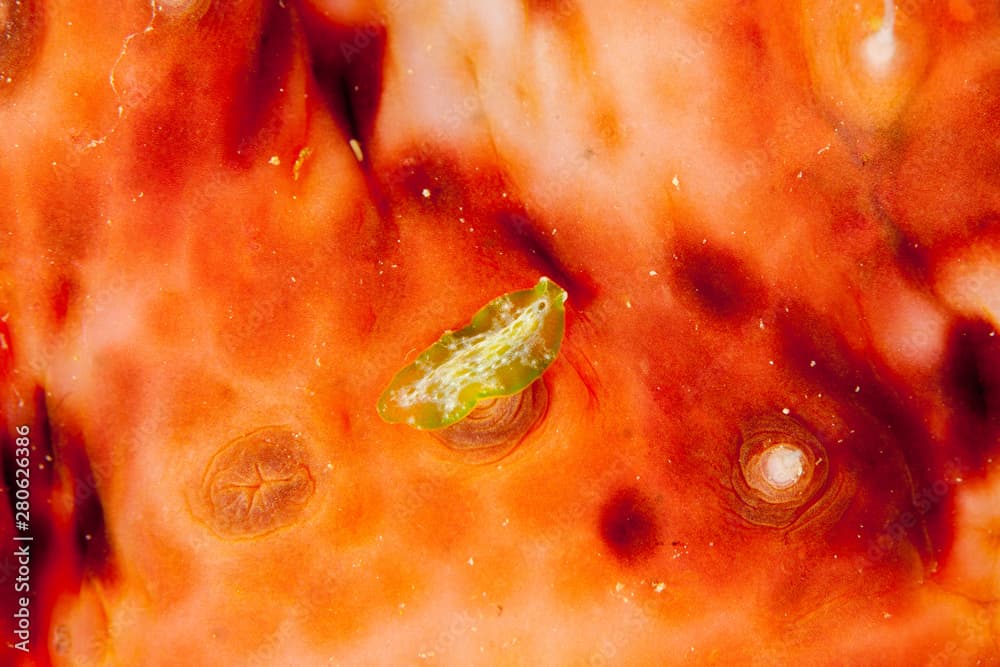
(356, 149)
(300, 160)
(785, 411)
(676, 181)
(426, 193)
(275, 160)
(652, 272)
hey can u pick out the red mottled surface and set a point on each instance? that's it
(224, 226)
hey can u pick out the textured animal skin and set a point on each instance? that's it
(770, 435)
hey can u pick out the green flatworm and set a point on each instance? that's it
(508, 345)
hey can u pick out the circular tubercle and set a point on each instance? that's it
(496, 425)
(781, 469)
(257, 484)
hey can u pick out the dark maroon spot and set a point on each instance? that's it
(628, 526)
(717, 281)
(972, 385)
(972, 370)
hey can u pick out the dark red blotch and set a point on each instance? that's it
(629, 527)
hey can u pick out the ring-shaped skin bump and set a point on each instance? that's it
(21, 29)
(496, 426)
(777, 471)
(781, 470)
(257, 483)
